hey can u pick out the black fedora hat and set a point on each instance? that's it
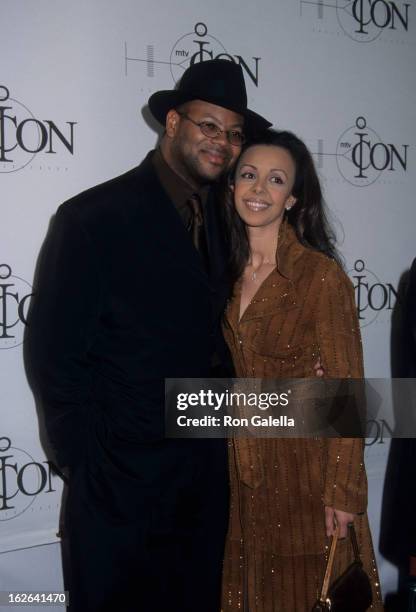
(217, 81)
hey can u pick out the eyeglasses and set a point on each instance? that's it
(234, 137)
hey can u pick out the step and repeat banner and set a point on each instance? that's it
(74, 83)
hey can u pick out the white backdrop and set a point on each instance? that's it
(74, 78)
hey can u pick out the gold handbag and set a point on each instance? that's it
(350, 592)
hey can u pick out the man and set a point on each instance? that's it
(130, 290)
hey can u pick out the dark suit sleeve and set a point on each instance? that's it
(411, 307)
(63, 323)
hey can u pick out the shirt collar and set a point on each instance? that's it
(178, 190)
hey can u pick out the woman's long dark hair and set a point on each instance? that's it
(307, 216)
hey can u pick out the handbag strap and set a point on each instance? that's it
(354, 542)
(331, 557)
(329, 564)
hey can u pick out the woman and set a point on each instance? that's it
(292, 305)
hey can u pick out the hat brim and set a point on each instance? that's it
(161, 102)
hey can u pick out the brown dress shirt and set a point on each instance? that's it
(181, 193)
(276, 545)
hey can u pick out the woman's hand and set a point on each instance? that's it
(334, 517)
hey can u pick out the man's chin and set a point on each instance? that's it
(212, 172)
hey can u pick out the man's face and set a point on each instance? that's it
(194, 156)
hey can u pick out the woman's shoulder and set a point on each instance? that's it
(318, 263)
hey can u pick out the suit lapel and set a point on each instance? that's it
(163, 213)
(215, 237)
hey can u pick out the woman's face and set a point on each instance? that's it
(263, 185)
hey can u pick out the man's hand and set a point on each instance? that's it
(335, 517)
(319, 371)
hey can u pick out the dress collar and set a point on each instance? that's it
(278, 289)
(288, 250)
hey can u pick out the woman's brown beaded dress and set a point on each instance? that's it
(276, 545)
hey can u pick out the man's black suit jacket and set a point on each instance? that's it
(122, 302)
